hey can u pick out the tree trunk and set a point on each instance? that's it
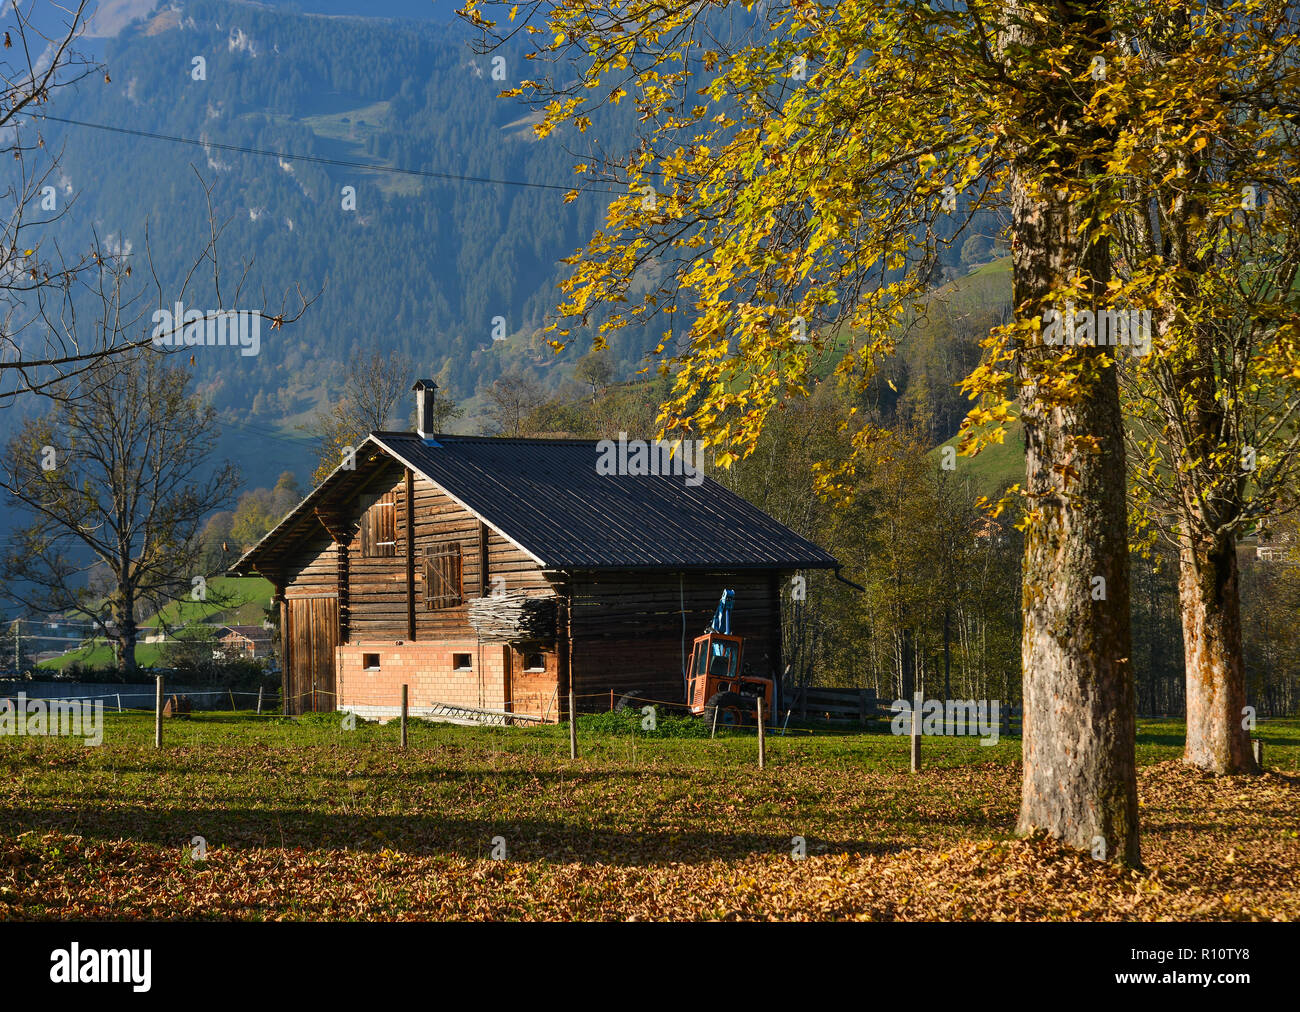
(129, 665)
(126, 635)
(1079, 723)
(1080, 777)
(1217, 742)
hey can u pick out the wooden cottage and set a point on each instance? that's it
(492, 573)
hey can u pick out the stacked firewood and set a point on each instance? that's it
(513, 617)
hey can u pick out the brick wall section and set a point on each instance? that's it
(426, 668)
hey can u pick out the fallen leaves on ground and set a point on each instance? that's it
(409, 837)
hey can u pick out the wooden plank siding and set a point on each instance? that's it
(309, 668)
(377, 588)
(315, 571)
(309, 626)
(628, 629)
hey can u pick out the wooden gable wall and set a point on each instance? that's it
(377, 602)
(315, 570)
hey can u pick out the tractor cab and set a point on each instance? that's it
(715, 664)
(716, 678)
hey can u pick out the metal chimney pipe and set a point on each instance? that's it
(426, 390)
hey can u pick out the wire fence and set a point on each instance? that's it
(388, 705)
(649, 731)
(661, 728)
(265, 704)
(652, 729)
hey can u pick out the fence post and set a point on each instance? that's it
(762, 740)
(714, 730)
(232, 700)
(573, 727)
(157, 712)
(119, 702)
(259, 700)
(403, 716)
(915, 730)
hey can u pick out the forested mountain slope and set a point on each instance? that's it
(431, 261)
(424, 264)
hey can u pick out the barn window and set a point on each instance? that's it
(442, 577)
(379, 526)
(370, 662)
(534, 662)
(462, 662)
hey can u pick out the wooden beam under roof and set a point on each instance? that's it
(336, 526)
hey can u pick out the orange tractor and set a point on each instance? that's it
(716, 681)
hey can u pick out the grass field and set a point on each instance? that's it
(234, 600)
(231, 600)
(993, 468)
(99, 654)
(307, 820)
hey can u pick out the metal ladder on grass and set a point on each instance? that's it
(473, 715)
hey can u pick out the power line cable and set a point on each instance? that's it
(320, 159)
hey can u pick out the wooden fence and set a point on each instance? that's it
(833, 704)
(859, 705)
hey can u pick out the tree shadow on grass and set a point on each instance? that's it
(1171, 740)
(507, 773)
(426, 835)
(1180, 740)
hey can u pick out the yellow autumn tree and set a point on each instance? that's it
(798, 167)
(1210, 155)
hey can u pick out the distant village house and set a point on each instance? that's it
(243, 642)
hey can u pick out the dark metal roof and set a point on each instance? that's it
(546, 496)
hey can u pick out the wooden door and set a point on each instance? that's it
(309, 665)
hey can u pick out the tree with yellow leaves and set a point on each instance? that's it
(799, 166)
(1211, 156)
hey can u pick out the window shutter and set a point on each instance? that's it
(367, 540)
(386, 524)
(379, 526)
(442, 577)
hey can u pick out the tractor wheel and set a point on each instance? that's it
(633, 700)
(730, 707)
